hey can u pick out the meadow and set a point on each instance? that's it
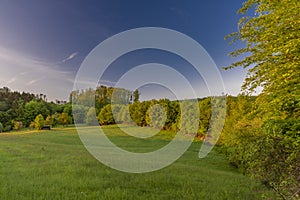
(55, 165)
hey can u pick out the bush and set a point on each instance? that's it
(63, 119)
(32, 125)
(48, 120)
(17, 125)
(105, 116)
(39, 122)
(271, 154)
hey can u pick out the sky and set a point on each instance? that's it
(44, 43)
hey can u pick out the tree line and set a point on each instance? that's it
(20, 110)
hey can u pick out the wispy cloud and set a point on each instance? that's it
(22, 72)
(107, 82)
(35, 80)
(70, 57)
(13, 79)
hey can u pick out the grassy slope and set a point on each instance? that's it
(55, 165)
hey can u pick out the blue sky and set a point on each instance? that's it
(43, 43)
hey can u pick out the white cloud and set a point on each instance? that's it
(107, 82)
(71, 56)
(13, 79)
(35, 80)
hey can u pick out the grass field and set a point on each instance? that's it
(55, 165)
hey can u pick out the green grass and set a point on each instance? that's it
(55, 165)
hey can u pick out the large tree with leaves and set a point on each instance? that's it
(272, 52)
(272, 57)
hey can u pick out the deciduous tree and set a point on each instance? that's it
(39, 122)
(272, 57)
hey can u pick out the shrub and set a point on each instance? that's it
(105, 116)
(17, 125)
(39, 122)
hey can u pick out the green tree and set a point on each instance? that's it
(124, 116)
(49, 120)
(205, 116)
(105, 116)
(189, 120)
(91, 118)
(6, 121)
(117, 112)
(63, 119)
(138, 112)
(55, 118)
(39, 122)
(272, 56)
(156, 115)
(101, 98)
(18, 109)
(68, 109)
(1, 127)
(34, 108)
(272, 39)
(136, 95)
(79, 113)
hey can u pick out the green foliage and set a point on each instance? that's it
(136, 95)
(266, 136)
(79, 113)
(17, 125)
(120, 95)
(49, 120)
(271, 154)
(105, 116)
(12, 104)
(64, 119)
(6, 121)
(272, 39)
(23, 107)
(91, 118)
(39, 122)
(102, 96)
(55, 118)
(67, 109)
(32, 125)
(34, 108)
(117, 114)
(156, 115)
(138, 112)
(123, 116)
(205, 115)
(282, 158)
(189, 119)
(1, 127)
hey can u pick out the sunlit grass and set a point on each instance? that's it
(55, 165)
